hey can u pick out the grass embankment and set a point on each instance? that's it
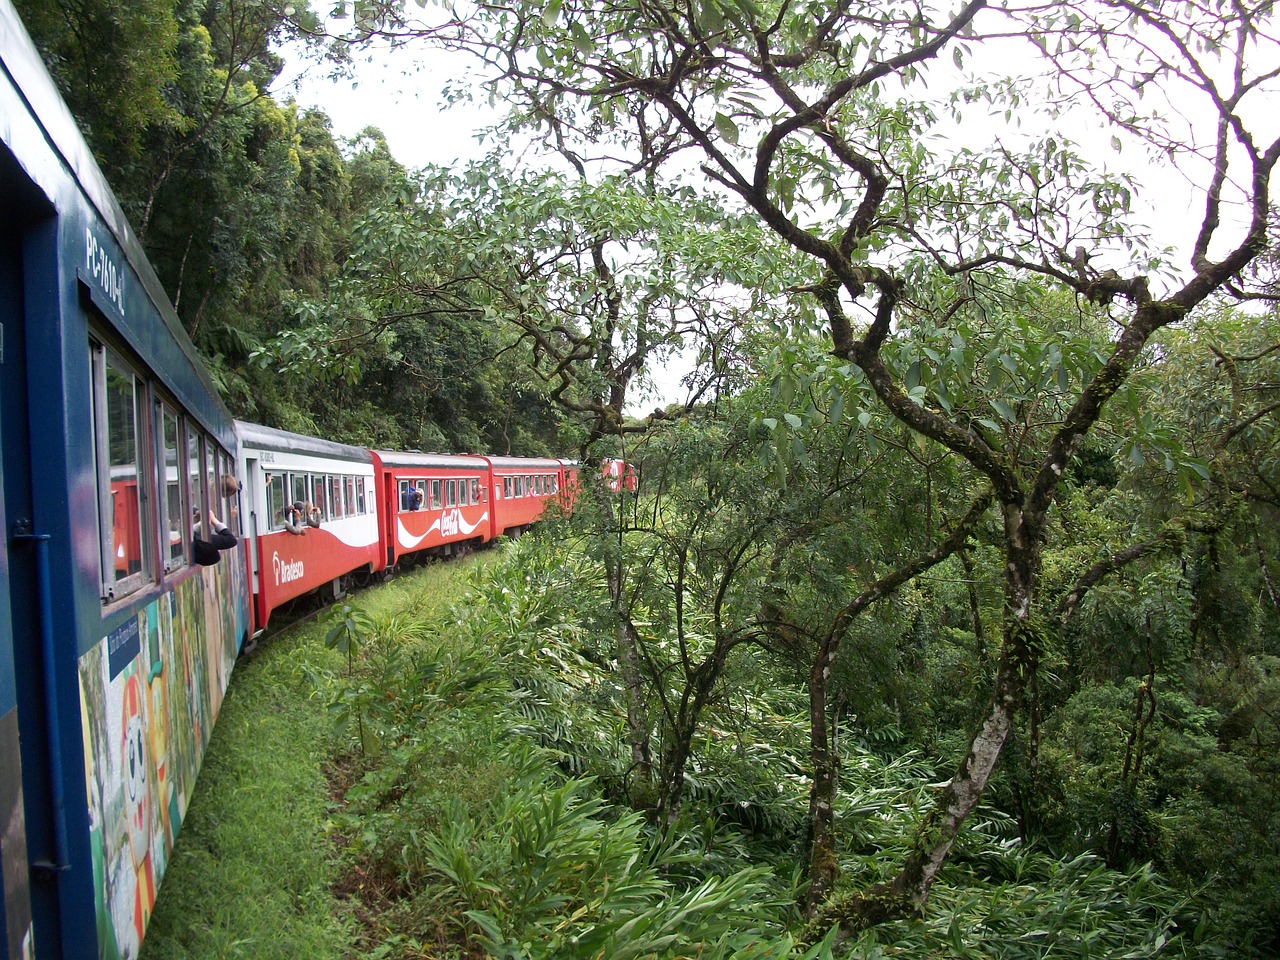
(254, 870)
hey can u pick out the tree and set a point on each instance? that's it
(791, 109)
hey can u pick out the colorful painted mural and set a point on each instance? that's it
(149, 694)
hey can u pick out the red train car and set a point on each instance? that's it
(126, 524)
(620, 475)
(313, 515)
(431, 502)
(521, 489)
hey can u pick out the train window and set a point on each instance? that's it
(119, 397)
(353, 502)
(229, 487)
(298, 488)
(318, 496)
(475, 491)
(506, 487)
(276, 493)
(211, 496)
(172, 503)
(555, 485)
(406, 502)
(360, 502)
(193, 471)
(450, 493)
(464, 495)
(337, 510)
(436, 502)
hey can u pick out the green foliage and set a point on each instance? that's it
(1049, 908)
(350, 629)
(251, 874)
(546, 871)
(112, 66)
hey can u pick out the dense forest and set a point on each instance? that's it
(950, 590)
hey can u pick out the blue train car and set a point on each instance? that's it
(115, 645)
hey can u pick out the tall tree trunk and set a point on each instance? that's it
(626, 639)
(823, 867)
(907, 894)
(627, 643)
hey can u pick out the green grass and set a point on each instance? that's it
(254, 867)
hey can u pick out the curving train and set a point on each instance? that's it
(319, 511)
(120, 620)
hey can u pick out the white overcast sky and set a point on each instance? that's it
(398, 91)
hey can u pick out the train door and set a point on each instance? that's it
(21, 204)
(258, 522)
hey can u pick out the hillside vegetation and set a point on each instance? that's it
(449, 777)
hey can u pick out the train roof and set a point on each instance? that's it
(435, 461)
(257, 437)
(525, 463)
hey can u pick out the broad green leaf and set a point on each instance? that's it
(1003, 408)
(727, 128)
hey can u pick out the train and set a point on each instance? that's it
(320, 514)
(118, 630)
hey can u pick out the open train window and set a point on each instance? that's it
(194, 486)
(360, 500)
(436, 502)
(299, 488)
(406, 496)
(212, 498)
(277, 491)
(229, 488)
(119, 402)
(173, 503)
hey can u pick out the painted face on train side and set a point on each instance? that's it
(134, 756)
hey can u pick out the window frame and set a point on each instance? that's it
(101, 357)
(168, 412)
(275, 510)
(334, 489)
